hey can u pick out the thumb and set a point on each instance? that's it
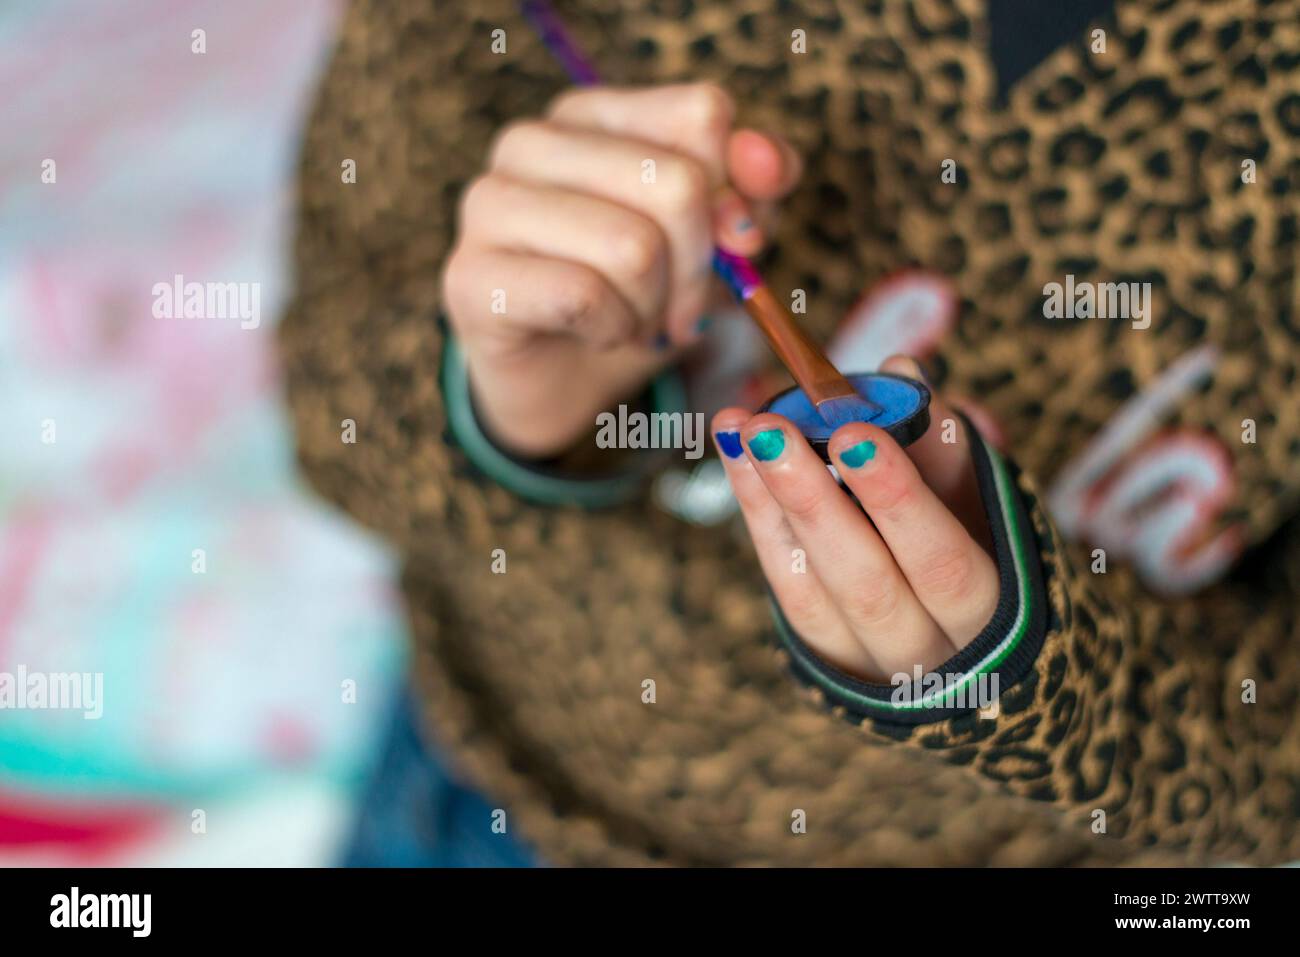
(762, 165)
(761, 168)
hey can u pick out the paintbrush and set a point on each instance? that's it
(835, 399)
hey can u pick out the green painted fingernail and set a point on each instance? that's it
(768, 445)
(856, 456)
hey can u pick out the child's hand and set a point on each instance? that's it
(597, 224)
(874, 601)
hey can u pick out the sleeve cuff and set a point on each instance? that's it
(535, 482)
(1000, 656)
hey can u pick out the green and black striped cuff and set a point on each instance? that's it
(540, 483)
(1002, 653)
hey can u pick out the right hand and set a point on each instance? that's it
(604, 275)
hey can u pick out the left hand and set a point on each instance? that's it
(904, 580)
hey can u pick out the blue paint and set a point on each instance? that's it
(899, 399)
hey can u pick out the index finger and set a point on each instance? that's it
(690, 118)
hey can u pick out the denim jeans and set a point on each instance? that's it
(414, 813)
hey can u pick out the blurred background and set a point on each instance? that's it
(134, 446)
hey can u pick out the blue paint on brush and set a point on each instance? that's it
(844, 409)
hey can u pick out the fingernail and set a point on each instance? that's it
(767, 445)
(733, 215)
(856, 456)
(704, 323)
(729, 442)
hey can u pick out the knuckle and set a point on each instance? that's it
(949, 572)
(513, 139)
(685, 185)
(455, 277)
(804, 505)
(566, 101)
(577, 300)
(891, 492)
(637, 252)
(710, 106)
(874, 601)
(474, 200)
(804, 606)
(463, 297)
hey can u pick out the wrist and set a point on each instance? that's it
(524, 429)
(543, 414)
(586, 474)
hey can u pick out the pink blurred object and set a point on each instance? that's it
(133, 442)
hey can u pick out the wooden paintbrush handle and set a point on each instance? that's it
(818, 378)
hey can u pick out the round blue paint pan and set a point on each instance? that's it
(904, 406)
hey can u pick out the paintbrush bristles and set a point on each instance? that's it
(844, 409)
(821, 382)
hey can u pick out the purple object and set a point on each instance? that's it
(556, 37)
(737, 272)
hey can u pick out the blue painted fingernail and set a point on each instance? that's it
(729, 442)
(767, 445)
(856, 456)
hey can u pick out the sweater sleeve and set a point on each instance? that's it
(1168, 722)
(376, 385)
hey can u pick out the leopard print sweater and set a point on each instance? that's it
(1144, 728)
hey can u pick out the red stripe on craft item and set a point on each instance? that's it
(92, 830)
